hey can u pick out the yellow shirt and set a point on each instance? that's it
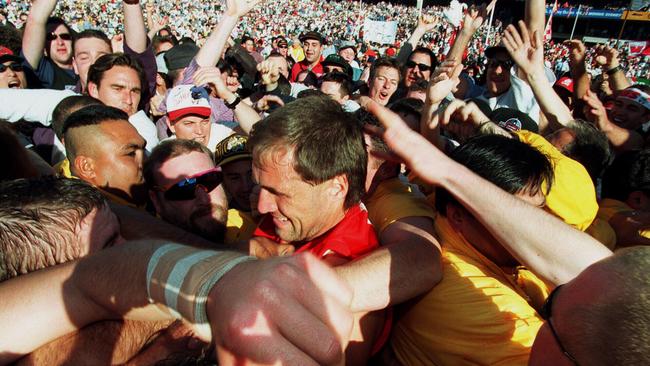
(477, 314)
(610, 207)
(602, 231)
(63, 168)
(240, 226)
(392, 201)
(297, 53)
(573, 195)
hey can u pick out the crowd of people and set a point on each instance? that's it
(250, 182)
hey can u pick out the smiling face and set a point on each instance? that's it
(629, 114)
(301, 211)
(313, 49)
(498, 74)
(420, 68)
(384, 84)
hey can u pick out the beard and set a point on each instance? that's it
(209, 222)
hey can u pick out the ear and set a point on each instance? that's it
(638, 200)
(74, 66)
(456, 217)
(84, 168)
(155, 201)
(338, 187)
(170, 125)
(93, 90)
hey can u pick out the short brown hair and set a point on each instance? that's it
(167, 150)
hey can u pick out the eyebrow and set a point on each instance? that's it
(274, 191)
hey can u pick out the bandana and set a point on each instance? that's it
(636, 95)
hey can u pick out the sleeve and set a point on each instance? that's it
(148, 61)
(146, 129)
(404, 52)
(44, 71)
(34, 105)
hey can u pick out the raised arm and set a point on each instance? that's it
(473, 20)
(527, 50)
(621, 138)
(135, 33)
(535, 16)
(577, 57)
(607, 57)
(34, 35)
(550, 248)
(426, 23)
(214, 46)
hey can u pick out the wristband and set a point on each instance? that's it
(181, 277)
(614, 70)
(234, 103)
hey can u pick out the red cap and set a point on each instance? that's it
(390, 52)
(566, 83)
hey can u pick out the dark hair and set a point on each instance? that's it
(326, 142)
(91, 33)
(88, 116)
(107, 62)
(420, 85)
(167, 150)
(11, 38)
(385, 62)
(345, 85)
(246, 38)
(310, 80)
(51, 25)
(428, 52)
(508, 163)
(412, 106)
(629, 172)
(158, 40)
(17, 163)
(68, 106)
(590, 147)
(38, 220)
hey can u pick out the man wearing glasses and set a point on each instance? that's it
(11, 70)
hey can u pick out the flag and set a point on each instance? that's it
(548, 31)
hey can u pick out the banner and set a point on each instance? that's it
(587, 13)
(637, 47)
(379, 32)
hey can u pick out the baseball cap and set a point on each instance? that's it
(180, 56)
(336, 60)
(160, 64)
(8, 55)
(513, 120)
(490, 52)
(230, 149)
(348, 44)
(282, 42)
(565, 83)
(184, 100)
(312, 35)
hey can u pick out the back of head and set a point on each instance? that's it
(38, 222)
(508, 163)
(590, 147)
(629, 172)
(615, 329)
(325, 141)
(340, 78)
(80, 129)
(168, 150)
(66, 107)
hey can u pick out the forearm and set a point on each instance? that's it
(135, 33)
(429, 124)
(391, 270)
(557, 113)
(618, 80)
(34, 105)
(621, 138)
(461, 42)
(416, 36)
(214, 46)
(535, 16)
(34, 35)
(550, 248)
(581, 81)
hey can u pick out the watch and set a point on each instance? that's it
(234, 103)
(614, 70)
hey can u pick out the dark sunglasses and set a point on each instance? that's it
(545, 313)
(63, 36)
(285, 46)
(13, 66)
(494, 63)
(186, 188)
(413, 64)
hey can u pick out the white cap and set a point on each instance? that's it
(182, 101)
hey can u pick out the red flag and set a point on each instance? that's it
(548, 31)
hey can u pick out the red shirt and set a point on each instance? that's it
(304, 65)
(350, 238)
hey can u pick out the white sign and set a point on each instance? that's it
(379, 32)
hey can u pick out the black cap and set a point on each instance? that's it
(513, 120)
(336, 60)
(490, 52)
(282, 41)
(312, 35)
(180, 56)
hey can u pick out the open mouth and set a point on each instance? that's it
(14, 84)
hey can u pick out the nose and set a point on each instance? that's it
(127, 97)
(265, 202)
(202, 195)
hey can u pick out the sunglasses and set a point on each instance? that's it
(285, 46)
(545, 313)
(413, 64)
(185, 189)
(494, 63)
(63, 36)
(13, 66)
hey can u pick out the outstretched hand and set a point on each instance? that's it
(239, 8)
(527, 50)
